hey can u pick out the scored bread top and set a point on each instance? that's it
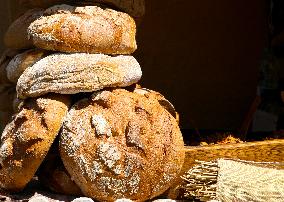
(89, 29)
(121, 144)
(78, 72)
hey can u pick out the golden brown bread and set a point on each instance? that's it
(120, 144)
(22, 61)
(53, 175)
(16, 37)
(27, 139)
(135, 8)
(77, 72)
(89, 29)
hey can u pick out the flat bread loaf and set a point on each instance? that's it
(27, 139)
(16, 37)
(89, 29)
(120, 144)
(78, 72)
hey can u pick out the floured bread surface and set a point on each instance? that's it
(89, 29)
(78, 72)
(27, 139)
(120, 144)
(161, 99)
(16, 36)
(22, 61)
(135, 8)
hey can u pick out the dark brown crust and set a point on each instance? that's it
(130, 146)
(27, 139)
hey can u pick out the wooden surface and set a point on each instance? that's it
(264, 151)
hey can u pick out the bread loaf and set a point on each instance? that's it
(27, 139)
(121, 144)
(22, 61)
(135, 8)
(89, 29)
(75, 73)
(16, 36)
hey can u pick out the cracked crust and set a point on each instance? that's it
(121, 144)
(27, 139)
(89, 29)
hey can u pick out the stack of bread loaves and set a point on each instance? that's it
(79, 119)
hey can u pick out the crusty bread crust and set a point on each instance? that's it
(16, 37)
(75, 73)
(27, 139)
(120, 144)
(89, 29)
(22, 61)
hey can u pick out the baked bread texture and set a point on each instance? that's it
(27, 139)
(76, 73)
(22, 61)
(121, 144)
(89, 29)
(16, 37)
(135, 8)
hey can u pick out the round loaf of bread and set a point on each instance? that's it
(22, 61)
(89, 29)
(77, 72)
(121, 144)
(135, 8)
(53, 175)
(27, 139)
(16, 36)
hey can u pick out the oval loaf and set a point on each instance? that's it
(78, 72)
(27, 139)
(89, 29)
(120, 144)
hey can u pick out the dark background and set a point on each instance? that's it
(202, 55)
